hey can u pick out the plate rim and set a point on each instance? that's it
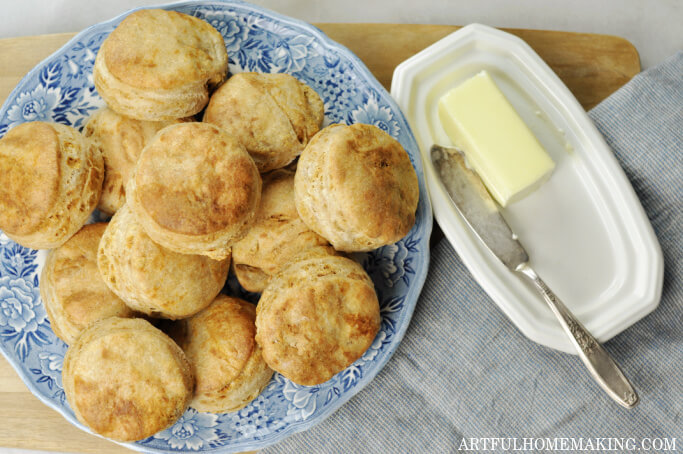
(425, 207)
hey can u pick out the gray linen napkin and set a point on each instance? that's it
(463, 370)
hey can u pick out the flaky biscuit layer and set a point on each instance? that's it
(277, 237)
(120, 139)
(72, 289)
(227, 363)
(51, 181)
(152, 279)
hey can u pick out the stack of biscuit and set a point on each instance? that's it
(189, 199)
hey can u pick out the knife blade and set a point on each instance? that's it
(475, 204)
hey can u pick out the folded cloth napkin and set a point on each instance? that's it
(464, 371)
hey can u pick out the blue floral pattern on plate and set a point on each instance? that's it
(61, 89)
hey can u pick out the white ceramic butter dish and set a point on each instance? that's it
(584, 228)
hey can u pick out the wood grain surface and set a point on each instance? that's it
(592, 66)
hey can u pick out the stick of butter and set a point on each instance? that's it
(498, 145)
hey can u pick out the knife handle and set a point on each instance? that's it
(599, 363)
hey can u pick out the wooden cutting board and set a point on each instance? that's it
(592, 66)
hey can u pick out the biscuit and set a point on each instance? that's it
(277, 236)
(159, 65)
(152, 279)
(272, 115)
(355, 186)
(50, 182)
(195, 190)
(316, 317)
(120, 140)
(226, 360)
(126, 380)
(72, 289)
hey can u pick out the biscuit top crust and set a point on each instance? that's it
(78, 284)
(195, 179)
(126, 379)
(30, 173)
(373, 180)
(272, 115)
(219, 341)
(316, 317)
(157, 49)
(299, 102)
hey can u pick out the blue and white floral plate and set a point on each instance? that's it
(61, 89)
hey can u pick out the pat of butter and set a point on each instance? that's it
(498, 145)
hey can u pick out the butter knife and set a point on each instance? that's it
(472, 200)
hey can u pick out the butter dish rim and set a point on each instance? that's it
(648, 285)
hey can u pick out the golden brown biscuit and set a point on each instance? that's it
(152, 279)
(277, 236)
(72, 289)
(272, 115)
(255, 279)
(195, 190)
(126, 380)
(120, 140)
(159, 65)
(355, 186)
(316, 317)
(50, 182)
(226, 360)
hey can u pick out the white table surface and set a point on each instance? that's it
(653, 26)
